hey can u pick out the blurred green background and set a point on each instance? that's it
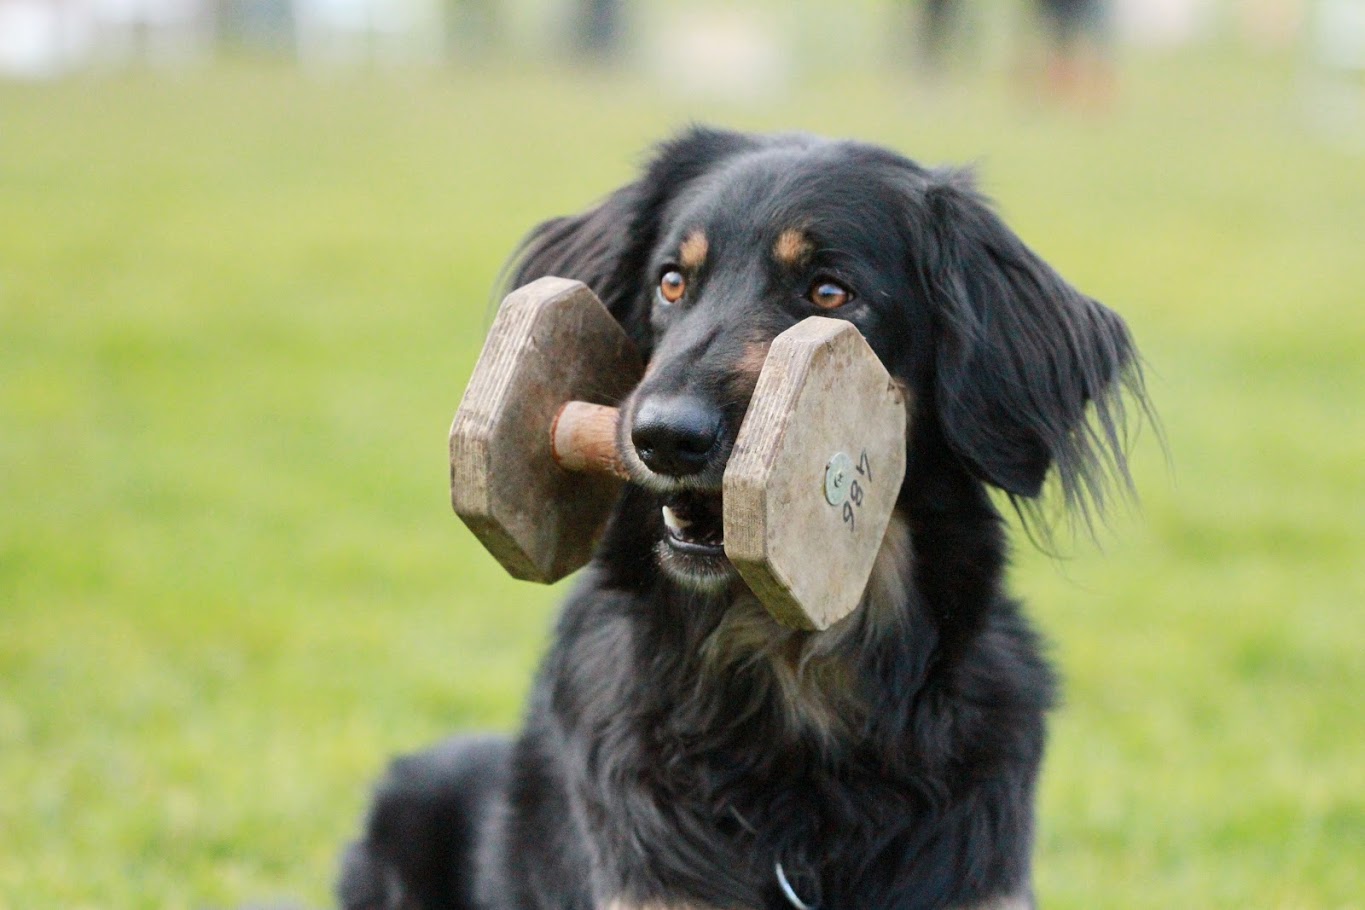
(239, 302)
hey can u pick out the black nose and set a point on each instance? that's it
(674, 435)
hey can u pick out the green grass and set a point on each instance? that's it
(237, 309)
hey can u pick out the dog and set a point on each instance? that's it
(681, 749)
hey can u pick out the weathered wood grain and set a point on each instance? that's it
(551, 342)
(822, 391)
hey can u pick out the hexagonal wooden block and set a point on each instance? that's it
(814, 474)
(552, 342)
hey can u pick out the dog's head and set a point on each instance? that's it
(728, 239)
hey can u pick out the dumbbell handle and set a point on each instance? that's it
(583, 439)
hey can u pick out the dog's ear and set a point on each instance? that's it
(1028, 372)
(608, 246)
(596, 247)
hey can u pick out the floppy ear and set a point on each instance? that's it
(1028, 371)
(597, 247)
(608, 246)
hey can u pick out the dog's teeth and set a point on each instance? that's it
(673, 522)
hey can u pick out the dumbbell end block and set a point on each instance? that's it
(814, 474)
(551, 342)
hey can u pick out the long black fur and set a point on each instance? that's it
(679, 743)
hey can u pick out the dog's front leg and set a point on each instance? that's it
(646, 858)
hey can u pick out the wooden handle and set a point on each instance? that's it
(583, 439)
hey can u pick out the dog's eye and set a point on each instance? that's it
(829, 295)
(671, 286)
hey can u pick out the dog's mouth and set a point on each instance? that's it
(692, 550)
(693, 524)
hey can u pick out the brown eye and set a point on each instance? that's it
(829, 296)
(671, 286)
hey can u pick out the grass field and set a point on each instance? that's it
(237, 309)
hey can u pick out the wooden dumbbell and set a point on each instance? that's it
(807, 493)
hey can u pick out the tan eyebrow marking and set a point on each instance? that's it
(693, 250)
(793, 247)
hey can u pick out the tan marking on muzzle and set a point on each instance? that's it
(749, 365)
(692, 253)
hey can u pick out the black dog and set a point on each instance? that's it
(681, 749)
